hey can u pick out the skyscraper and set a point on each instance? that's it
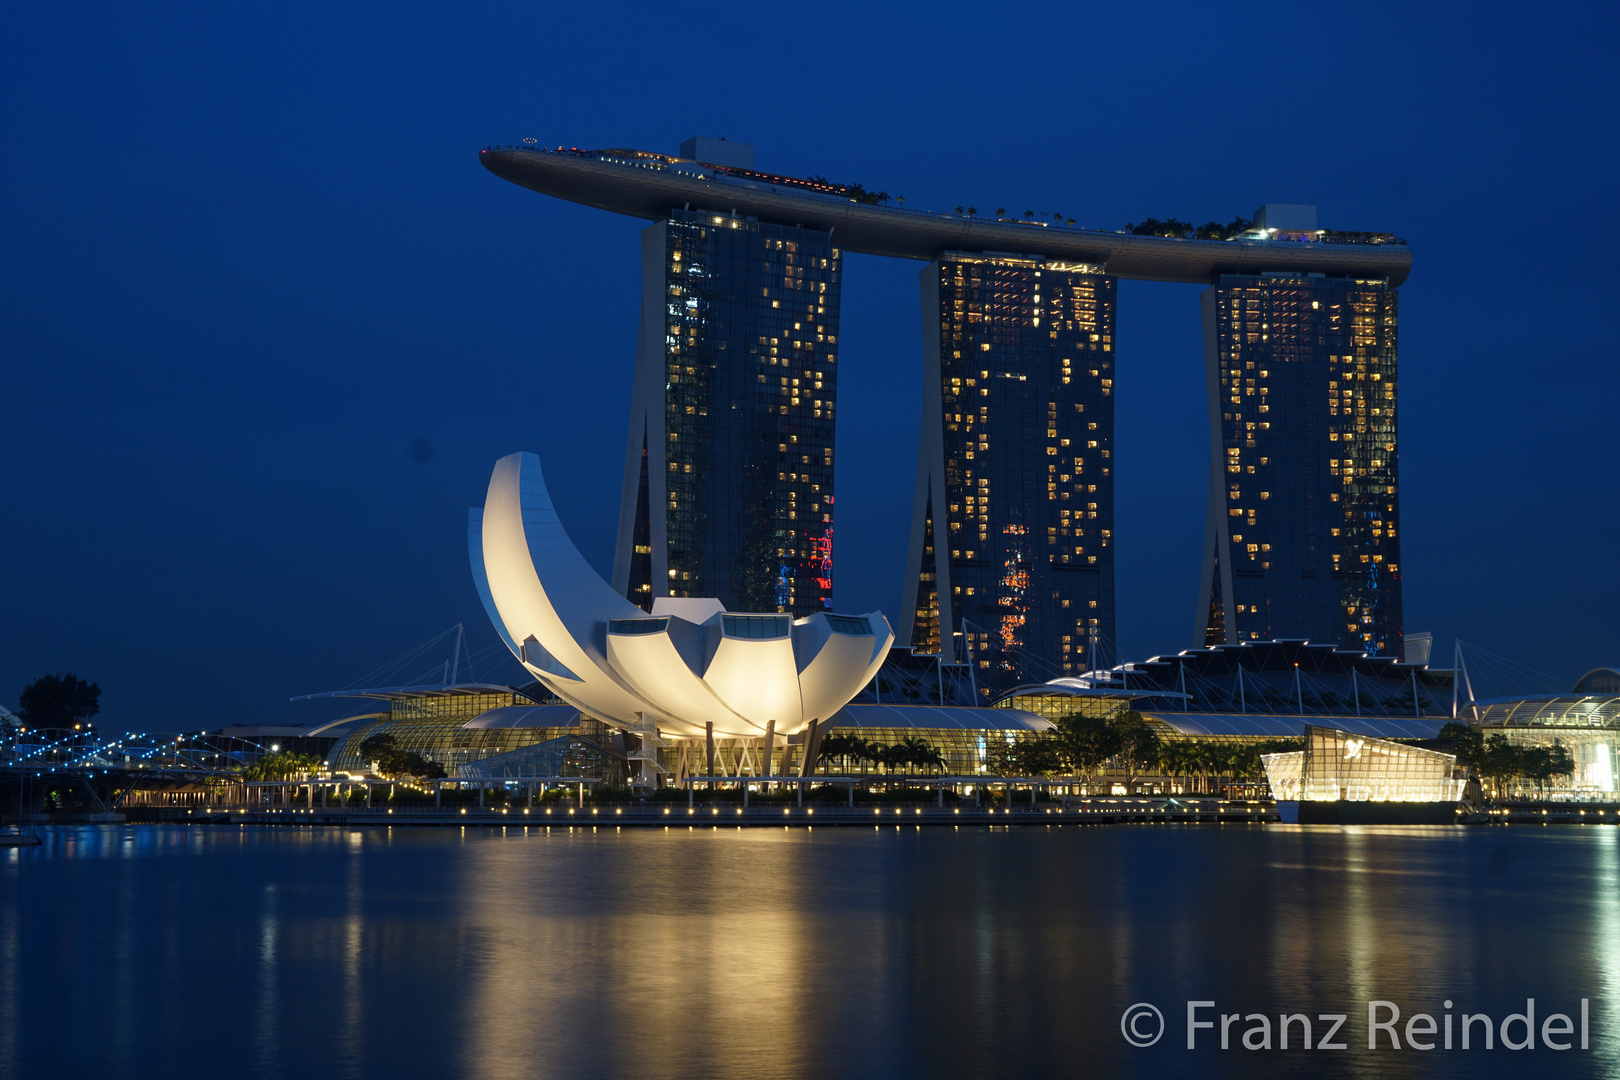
(1304, 524)
(1012, 520)
(728, 484)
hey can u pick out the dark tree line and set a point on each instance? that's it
(1499, 762)
(392, 762)
(910, 753)
(1082, 745)
(62, 701)
(1173, 227)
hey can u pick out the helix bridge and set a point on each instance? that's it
(110, 766)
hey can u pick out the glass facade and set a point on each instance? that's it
(446, 740)
(1013, 521)
(1336, 765)
(1304, 519)
(1055, 705)
(962, 737)
(735, 413)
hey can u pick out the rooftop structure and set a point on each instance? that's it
(644, 184)
(728, 486)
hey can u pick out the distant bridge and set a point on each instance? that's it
(109, 767)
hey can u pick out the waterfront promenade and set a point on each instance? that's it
(1079, 812)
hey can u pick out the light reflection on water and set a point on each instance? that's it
(505, 953)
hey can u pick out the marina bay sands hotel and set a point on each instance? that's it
(728, 484)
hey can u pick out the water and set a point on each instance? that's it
(147, 951)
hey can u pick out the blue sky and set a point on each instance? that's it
(251, 259)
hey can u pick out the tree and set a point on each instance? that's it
(833, 748)
(286, 765)
(847, 748)
(973, 211)
(1470, 741)
(383, 750)
(1176, 758)
(1001, 757)
(379, 746)
(1086, 742)
(1558, 763)
(1499, 762)
(61, 701)
(919, 753)
(1040, 756)
(865, 751)
(859, 194)
(1209, 760)
(1139, 746)
(1155, 227)
(1542, 763)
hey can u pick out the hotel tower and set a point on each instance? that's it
(1303, 537)
(1012, 519)
(728, 484)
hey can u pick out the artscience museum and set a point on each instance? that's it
(688, 670)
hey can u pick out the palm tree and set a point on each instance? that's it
(1202, 758)
(867, 753)
(835, 747)
(958, 211)
(1176, 758)
(973, 211)
(1000, 212)
(915, 752)
(1217, 761)
(1029, 215)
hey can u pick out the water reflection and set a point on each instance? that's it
(535, 952)
(1605, 945)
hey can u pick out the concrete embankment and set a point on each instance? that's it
(656, 816)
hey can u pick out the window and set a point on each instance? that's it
(755, 626)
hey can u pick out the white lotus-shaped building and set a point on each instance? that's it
(688, 665)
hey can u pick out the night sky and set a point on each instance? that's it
(266, 323)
